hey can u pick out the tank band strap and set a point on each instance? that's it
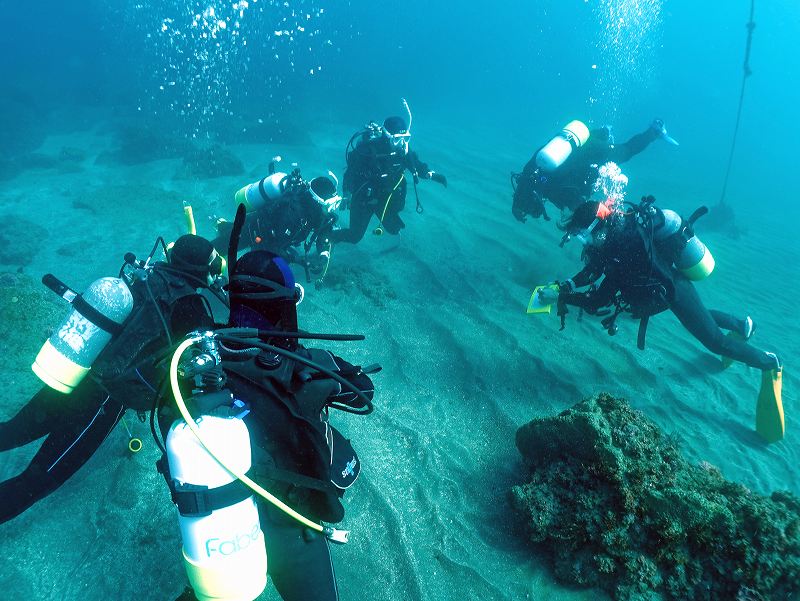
(80, 304)
(200, 501)
(97, 318)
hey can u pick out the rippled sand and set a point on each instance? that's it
(443, 309)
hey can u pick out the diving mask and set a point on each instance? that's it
(398, 141)
(325, 191)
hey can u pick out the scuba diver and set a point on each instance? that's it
(564, 170)
(374, 180)
(102, 360)
(262, 395)
(648, 258)
(284, 211)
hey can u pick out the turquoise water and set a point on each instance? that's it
(442, 306)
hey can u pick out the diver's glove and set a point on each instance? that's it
(437, 177)
(548, 295)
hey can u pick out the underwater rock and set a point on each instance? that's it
(20, 240)
(721, 218)
(213, 161)
(614, 504)
(136, 145)
(69, 154)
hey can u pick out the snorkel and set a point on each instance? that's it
(410, 116)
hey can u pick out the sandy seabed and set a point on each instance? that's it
(443, 310)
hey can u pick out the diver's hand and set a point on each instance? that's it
(317, 265)
(548, 296)
(438, 178)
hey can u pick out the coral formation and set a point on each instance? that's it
(614, 504)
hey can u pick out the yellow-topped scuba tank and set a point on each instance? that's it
(256, 195)
(691, 256)
(97, 314)
(553, 154)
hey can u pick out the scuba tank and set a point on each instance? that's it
(97, 315)
(690, 256)
(268, 189)
(223, 546)
(553, 154)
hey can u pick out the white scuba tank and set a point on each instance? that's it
(694, 259)
(224, 552)
(553, 154)
(256, 195)
(67, 356)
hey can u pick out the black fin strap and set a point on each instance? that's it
(642, 332)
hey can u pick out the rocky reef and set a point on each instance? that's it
(613, 503)
(28, 312)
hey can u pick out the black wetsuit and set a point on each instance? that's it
(571, 184)
(296, 454)
(283, 225)
(123, 376)
(640, 272)
(375, 180)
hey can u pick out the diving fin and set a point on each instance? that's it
(769, 409)
(535, 305)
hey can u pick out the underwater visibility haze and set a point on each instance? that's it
(508, 456)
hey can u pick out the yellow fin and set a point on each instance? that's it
(769, 409)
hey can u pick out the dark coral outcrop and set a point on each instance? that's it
(616, 506)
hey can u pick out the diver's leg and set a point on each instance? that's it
(726, 321)
(299, 559)
(620, 153)
(360, 214)
(37, 418)
(698, 320)
(64, 451)
(393, 223)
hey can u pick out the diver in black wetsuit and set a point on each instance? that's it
(123, 376)
(375, 178)
(636, 254)
(297, 454)
(286, 212)
(571, 183)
